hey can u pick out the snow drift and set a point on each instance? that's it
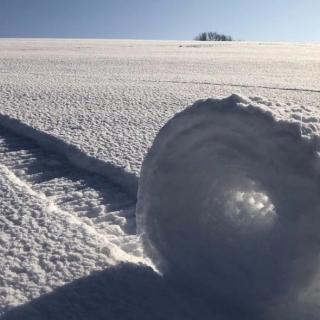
(228, 203)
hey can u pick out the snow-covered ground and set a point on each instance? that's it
(82, 115)
(109, 98)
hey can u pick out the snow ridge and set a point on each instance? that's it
(124, 179)
(89, 197)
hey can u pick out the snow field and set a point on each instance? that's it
(109, 98)
(93, 108)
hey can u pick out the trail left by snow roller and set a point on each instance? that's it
(229, 203)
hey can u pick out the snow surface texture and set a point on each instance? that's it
(31, 223)
(109, 98)
(81, 107)
(229, 203)
(57, 223)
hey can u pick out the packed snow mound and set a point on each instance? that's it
(228, 203)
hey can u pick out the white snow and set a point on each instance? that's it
(93, 108)
(42, 247)
(229, 202)
(57, 223)
(109, 98)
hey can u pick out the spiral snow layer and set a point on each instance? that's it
(229, 203)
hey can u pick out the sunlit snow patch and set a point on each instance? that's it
(229, 204)
(246, 208)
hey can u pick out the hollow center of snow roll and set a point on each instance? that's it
(247, 208)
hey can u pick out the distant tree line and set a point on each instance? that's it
(212, 36)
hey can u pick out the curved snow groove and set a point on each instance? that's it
(89, 197)
(126, 180)
(116, 252)
(228, 202)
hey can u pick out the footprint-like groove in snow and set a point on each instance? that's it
(89, 196)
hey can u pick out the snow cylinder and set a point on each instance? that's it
(228, 203)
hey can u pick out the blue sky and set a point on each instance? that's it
(276, 20)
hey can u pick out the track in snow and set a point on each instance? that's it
(217, 84)
(90, 197)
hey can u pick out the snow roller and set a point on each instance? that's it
(228, 203)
